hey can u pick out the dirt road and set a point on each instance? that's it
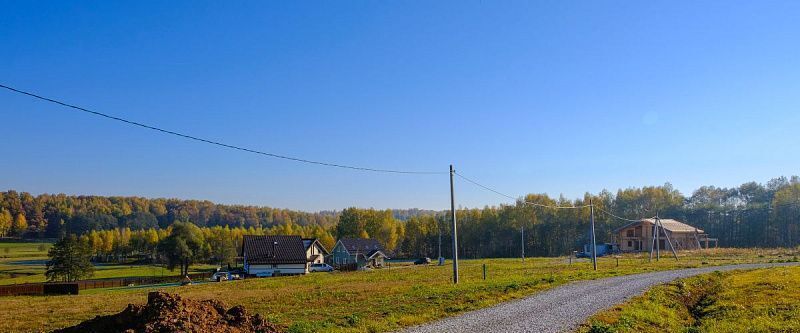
(563, 308)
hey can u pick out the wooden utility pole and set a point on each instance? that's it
(653, 242)
(658, 239)
(594, 243)
(523, 243)
(439, 258)
(455, 227)
(669, 241)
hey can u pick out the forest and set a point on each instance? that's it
(750, 215)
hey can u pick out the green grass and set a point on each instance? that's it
(375, 301)
(12, 253)
(24, 263)
(762, 300)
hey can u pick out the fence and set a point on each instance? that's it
(346, 267)
(60, 288)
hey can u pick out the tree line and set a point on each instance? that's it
(55, 215)
(750, 215)
(218, 245)
(179, 245)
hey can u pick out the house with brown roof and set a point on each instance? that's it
(274, 255)
(638, 236)
(361, 251)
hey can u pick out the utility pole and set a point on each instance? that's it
(669, 241)
(523, 243)
(439, 258)
(455, 227)
(658, 238)
(594, 244)
(653, 240)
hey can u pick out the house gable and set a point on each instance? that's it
(365, 246)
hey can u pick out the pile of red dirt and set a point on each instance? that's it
(165, 313)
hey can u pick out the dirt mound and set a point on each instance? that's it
(166, 313)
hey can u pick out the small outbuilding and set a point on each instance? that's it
(274, 255)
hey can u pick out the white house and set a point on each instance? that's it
(315, 252)
(274, 255)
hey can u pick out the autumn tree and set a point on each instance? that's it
(19, 225)
(5, 222)
(183, 246)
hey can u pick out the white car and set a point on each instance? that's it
(223, 276)
(219, 277)
(320, 268)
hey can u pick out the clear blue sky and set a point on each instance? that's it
(558, 97)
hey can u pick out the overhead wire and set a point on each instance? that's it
(217, 143)
(615, 216)
(513, 198)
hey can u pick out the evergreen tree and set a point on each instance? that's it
(69, 260)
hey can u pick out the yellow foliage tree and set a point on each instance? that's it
(20, 224)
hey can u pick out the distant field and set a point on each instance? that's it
(374, 301)
(763, 300)
(25, 263)
(21, 262)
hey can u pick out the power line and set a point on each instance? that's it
(217, 143)
(513, 198)
(612, 215)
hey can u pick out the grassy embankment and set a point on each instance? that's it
(762, 300)
(25, 263)
(375, 301)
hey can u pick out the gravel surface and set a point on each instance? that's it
(563, 308)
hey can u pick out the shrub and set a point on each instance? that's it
(601, 328)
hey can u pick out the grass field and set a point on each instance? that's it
(763, 300)
(375, 301)
(25, 263)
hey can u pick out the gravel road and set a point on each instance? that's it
(563, 308)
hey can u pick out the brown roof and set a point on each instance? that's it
(273, 250)
(669, 224)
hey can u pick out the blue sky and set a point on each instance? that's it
(557, 97)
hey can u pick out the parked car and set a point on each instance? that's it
(423, 261)
(320, 268)
(224, 276)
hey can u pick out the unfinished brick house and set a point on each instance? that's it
(638, 236)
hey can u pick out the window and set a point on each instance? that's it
(629, 233)
(630, 244)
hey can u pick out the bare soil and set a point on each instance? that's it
(167, 313)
